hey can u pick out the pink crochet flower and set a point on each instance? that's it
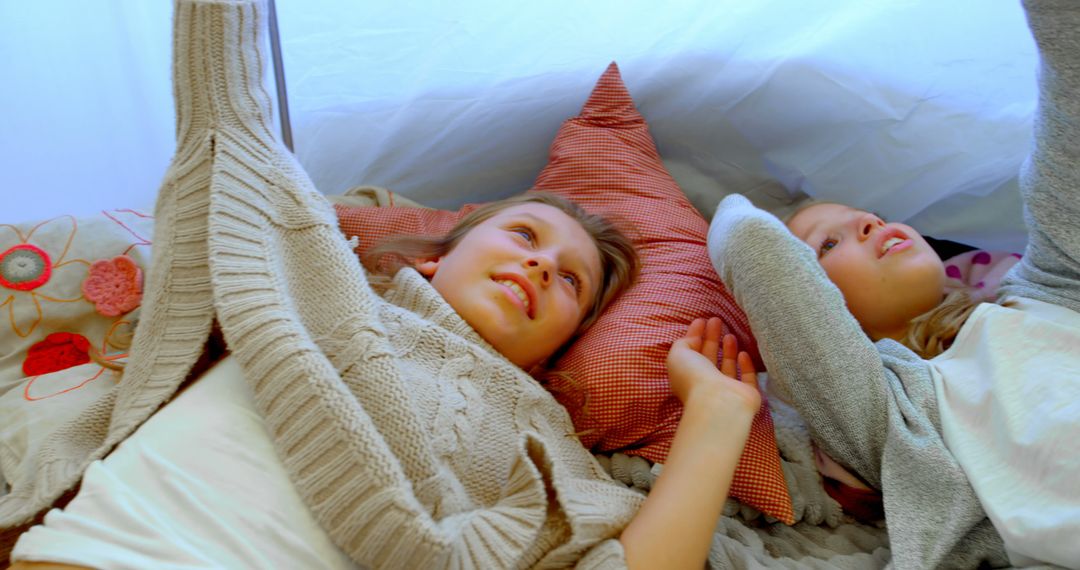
(114, 285)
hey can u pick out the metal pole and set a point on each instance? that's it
(279, 79)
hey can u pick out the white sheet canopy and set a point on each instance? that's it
(455, 102)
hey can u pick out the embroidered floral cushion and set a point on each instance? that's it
(618, 393)
(68, 289)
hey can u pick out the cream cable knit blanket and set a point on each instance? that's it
(413, 442)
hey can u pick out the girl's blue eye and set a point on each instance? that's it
(573, 281)
(826, 245)
(525, 233)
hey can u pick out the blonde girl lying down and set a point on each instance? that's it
(965, 416)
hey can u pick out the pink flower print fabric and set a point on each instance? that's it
(114, 285)
(980, 271)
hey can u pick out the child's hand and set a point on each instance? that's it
(693, 374)
(674, 527)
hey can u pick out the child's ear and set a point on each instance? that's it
(428, 268)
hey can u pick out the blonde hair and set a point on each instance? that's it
(934, 331)
(619, 262)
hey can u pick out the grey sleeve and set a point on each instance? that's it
(871, 407)
(1050, 180)
(812, 346)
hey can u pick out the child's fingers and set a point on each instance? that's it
(697, 328)
(727, 361)
(746, 364)
(711, 347)
(693, 336)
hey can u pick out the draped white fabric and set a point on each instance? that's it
(920, 110)
(86, 113)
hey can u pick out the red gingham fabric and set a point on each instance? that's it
(605, 160)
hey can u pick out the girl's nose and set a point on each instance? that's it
(867, 223)
(542, 265)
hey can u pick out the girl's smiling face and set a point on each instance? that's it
(524, 279)
(887, 272)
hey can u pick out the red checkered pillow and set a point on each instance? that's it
(605, 160)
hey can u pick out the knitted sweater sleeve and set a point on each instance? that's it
(1050, 181)
(326, 359)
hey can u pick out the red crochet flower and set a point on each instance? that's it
(114, 285)
(58, 351)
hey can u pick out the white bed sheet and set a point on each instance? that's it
(187, 494)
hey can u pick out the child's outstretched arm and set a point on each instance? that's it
(1050, 182)
(815, 350)
(674, 527)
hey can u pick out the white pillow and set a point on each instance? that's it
(198, 485)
